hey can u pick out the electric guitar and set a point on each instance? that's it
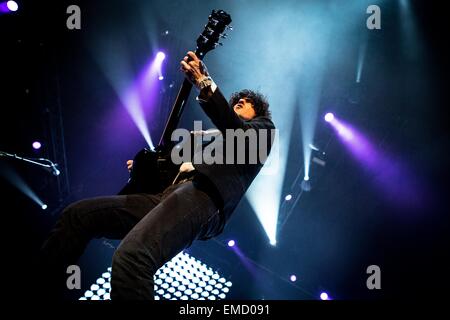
(153, 170)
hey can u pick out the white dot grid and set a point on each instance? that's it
(182, 278)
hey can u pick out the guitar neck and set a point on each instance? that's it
(175, 115)
(218, 21)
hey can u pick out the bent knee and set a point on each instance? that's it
(131, 253)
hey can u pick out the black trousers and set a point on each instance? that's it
(154, 229)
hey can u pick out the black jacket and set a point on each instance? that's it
(231, 180)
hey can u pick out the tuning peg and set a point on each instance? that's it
(224, 36)
(230, 28)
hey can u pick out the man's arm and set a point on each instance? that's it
(212, 100)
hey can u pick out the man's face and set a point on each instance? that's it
(244, 109)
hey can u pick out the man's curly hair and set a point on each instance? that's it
(259, 101)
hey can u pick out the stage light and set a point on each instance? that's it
(306, 185)
(12, 5)
(8, 6)
(288, 197)
(36, 145)
(306, 178)
(101, 292)
(166, 289)
(293, 278)
(12, 177)
(273, 242)
(94, 287)
(160, 56)
(324, 296)
(393, 178)
(88, 294)
(361, 59)
(231, 243)
(329, 117)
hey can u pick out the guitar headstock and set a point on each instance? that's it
(218, 21)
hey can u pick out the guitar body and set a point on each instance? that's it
(153, 170)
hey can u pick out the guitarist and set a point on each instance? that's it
(156, 227)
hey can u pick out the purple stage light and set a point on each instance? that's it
(344, 131)
(390, 175)
(329, 117)
(160, 78)
(324, 296)
(293, 278)
(231, 243)
(12, 5)
(160, 56)
(8, 6)
(37, 145)
(4, 7)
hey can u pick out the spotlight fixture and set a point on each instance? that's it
(160, 56)
(306, 184)
(329, 117)
(36, 145)
(182, 278)
(8, 6)
(324, 296)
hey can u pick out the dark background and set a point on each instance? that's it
(333, 233)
